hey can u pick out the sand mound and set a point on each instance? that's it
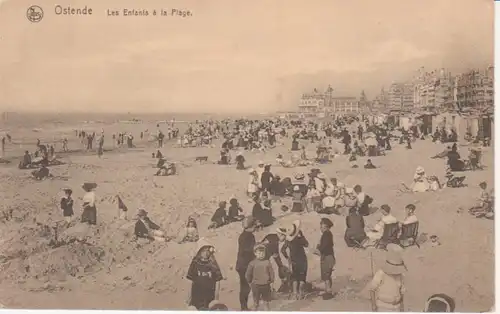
(69, 260)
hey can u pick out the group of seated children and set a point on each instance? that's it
(356, 236)
(222, 217)
(145, 228)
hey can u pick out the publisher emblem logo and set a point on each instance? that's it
(34, 14)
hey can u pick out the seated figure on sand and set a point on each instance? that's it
(453, 181)
(190, 233)
(235, 212)
(485, 203)
(409, 219)
(41, 173)
(165, 168)
(369, 164)
(374, 234)
(420, 182)
(147, 229)
(224, 158)
(346, 198)
(240, 161)
(220, 217)
(262, 213)
(353, 160)
(363, 201)
(355, 233)
(25, 163)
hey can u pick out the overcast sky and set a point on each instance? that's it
(231, 54)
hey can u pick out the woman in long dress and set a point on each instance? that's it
(89, 214)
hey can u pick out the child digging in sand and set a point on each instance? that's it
(260, 275)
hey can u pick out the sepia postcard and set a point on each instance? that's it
(231, 155)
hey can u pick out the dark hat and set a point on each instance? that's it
(89, 186)
(440, 303)
(142, 213)
(67, 190)
(327, 222)
(411, 207)
(386, 208)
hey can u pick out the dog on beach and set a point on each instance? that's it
(201, 158)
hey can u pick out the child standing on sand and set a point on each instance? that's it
(260, 275)
(67, 205)
(205, 276)
(325, 251)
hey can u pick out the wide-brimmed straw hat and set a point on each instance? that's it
(203, 243)
(260, 163)
(293, 231)
(67, 189)
(251, 170)
(394, 263)
(299, 176)
(420, 169)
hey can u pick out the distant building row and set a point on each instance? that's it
(438, 90)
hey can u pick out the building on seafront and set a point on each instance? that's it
(326, 103)
(380, 102)
(400, 96)
(474, 89)
(433, 90)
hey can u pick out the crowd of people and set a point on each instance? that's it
(281, 254)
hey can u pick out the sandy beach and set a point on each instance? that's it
(113, 272)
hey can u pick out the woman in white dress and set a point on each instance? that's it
(89, 214)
